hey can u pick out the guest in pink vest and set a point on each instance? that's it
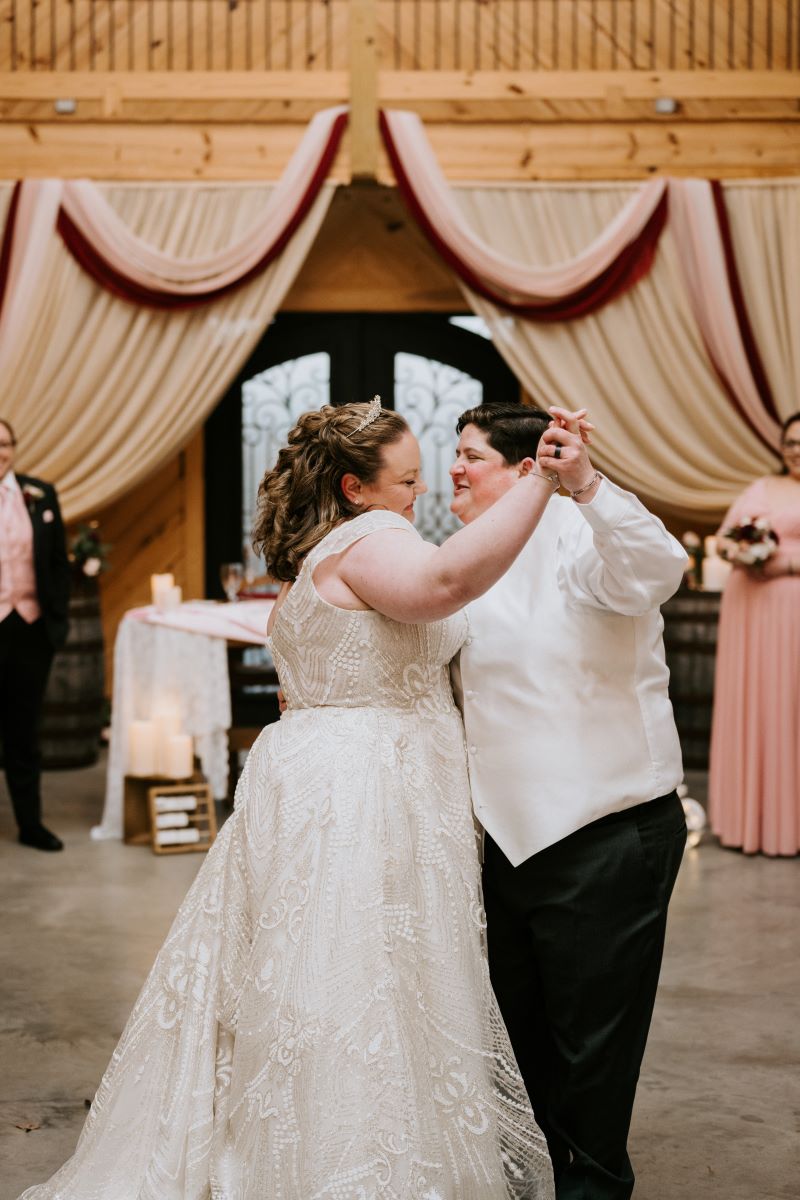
(34, 593)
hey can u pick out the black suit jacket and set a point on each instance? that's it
(49, 557)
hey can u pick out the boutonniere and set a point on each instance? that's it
(30, 494)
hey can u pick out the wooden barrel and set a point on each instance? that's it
(690, 642)
(74, 703)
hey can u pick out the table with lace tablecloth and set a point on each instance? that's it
(180, 658)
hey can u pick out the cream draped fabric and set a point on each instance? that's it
(666, 428)
(695, 224)
(102, 392)
(765, 226)
(528, 283)
(139, 262)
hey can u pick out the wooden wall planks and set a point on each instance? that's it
(156, 527)
(501, 151)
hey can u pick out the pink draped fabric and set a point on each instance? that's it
(615, 260)
(141, 273)
(737, 296)
(30, 225)
(138, 272)
(636, 227)
(130, 267)
(695, 223)
(104, 244)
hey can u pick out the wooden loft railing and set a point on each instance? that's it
(418, 35)
(488, 64)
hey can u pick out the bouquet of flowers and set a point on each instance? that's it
(750, 543)
(87, 553)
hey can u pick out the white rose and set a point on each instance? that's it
(92, 566)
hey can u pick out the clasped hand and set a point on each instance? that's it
(570, 431)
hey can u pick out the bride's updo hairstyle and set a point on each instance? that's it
(301, 499)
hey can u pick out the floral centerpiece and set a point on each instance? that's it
(87, 553)
(750, 543)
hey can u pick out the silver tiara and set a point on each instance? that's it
(373, 412)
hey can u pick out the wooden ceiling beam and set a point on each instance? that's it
(409, 87)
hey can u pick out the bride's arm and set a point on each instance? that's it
(410, 580)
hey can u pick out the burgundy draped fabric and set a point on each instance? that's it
(8, 239)
(127, 287)
(630, 265)
(620, 256)
(743, 320)
(715, 295)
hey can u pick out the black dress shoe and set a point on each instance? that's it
(40, 838)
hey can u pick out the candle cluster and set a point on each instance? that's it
(706, 569)
(165, 593)
(715, 569)
(158, 748)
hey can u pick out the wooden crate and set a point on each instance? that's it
(140, 811)
(202, 817)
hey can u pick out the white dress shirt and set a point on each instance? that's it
(562, 680)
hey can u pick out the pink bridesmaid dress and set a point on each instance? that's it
(754, 778)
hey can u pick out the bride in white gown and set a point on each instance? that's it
(319, 1022)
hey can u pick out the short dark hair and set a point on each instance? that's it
(11, 433)
(511, 429)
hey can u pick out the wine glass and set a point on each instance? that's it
(231, 577)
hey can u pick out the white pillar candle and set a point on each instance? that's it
(159, 587)
(715, 573)
(174, 837)
(168, 725)
(142, 756)
(173, 597)
(180, 757)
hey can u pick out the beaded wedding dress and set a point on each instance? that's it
(319, 1024)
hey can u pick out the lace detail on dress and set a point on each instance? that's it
(319, 1024)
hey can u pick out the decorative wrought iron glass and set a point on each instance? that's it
(431, 396)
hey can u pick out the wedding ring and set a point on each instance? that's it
(557, 452)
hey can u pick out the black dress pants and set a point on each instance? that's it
(575, 936)
(26, 655)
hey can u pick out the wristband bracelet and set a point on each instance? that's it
(586, 486)
(549, 478)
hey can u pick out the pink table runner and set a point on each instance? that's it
(242, 621)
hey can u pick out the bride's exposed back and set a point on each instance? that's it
(319, 1022)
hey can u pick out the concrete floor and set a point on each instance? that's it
(719, 1100)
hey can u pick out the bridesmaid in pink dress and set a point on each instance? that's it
(754, 780)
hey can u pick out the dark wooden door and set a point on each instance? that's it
(426, 366)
